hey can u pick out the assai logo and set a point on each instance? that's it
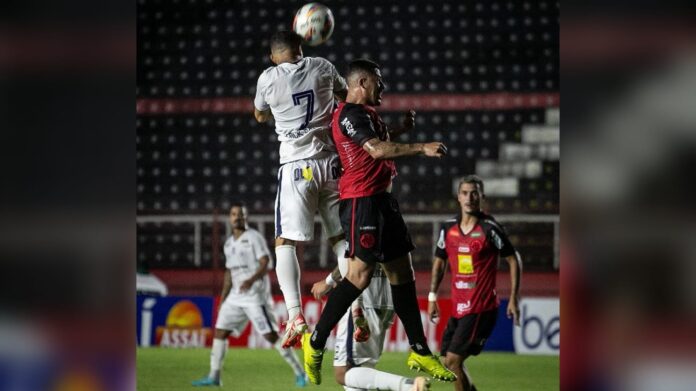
(183, 327)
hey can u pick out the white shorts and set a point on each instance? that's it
(304, 188)
(236, 318)
(349, 352)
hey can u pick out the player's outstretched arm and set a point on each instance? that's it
(388, 150)
(263, 116)
(513, 308)
(436, 275)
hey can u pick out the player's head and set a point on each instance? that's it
(470, 194)
(286, 46)
(365, 82)
(238, 215)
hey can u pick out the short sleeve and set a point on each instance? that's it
(260, 100)
(339, 83)
(440, 250)
(500, 240)
(356, 123)
(260, 247)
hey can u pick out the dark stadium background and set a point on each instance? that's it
(482, 77)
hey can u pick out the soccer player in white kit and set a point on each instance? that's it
(298, 93)
(246, 295)
(354, 362)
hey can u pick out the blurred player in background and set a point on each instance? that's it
(246, 295)
(370, 216)
(299, 94)
(354, 362)
(471, 243)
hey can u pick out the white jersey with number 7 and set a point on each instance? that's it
(300, 96)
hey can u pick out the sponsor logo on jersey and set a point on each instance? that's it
(462, 307)
(368, 228)
(466, 266)
(296, 133)
(349, 127)
(463, 249)
(303, 173)
(475, 234)
(464, 285)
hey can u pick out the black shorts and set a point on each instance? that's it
(375, 229)
(467, 335)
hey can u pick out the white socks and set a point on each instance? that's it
(368, 378)
(288, 273)
(217, 356)
(290, 358)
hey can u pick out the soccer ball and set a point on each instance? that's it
(314, 22)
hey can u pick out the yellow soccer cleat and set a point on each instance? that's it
(430, 365)
(312, 360)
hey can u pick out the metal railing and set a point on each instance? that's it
(264, 221)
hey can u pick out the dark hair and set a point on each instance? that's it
(239, 204)
(475, 179)
(362, 65)
(285, 40)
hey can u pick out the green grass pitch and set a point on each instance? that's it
(264, 370)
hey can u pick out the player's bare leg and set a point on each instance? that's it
(289, 356)
(455, 363)
(288, 273)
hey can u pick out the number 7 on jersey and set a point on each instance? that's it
(297, 100)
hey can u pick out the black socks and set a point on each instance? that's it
(406, 307)
(337, 305)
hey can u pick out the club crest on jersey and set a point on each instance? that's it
(367, 240)
(476, 246)
(349, 127)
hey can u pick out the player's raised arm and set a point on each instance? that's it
(408, 122)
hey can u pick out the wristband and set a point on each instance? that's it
(330, 281)
(432, 296)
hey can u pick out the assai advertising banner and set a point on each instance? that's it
(179, 322)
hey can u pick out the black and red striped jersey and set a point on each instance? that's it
(473, 262)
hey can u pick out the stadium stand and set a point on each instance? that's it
(199, 147)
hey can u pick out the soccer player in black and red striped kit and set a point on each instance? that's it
(471, 243)
(371, 219)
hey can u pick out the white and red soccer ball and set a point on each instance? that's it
(314, 22)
